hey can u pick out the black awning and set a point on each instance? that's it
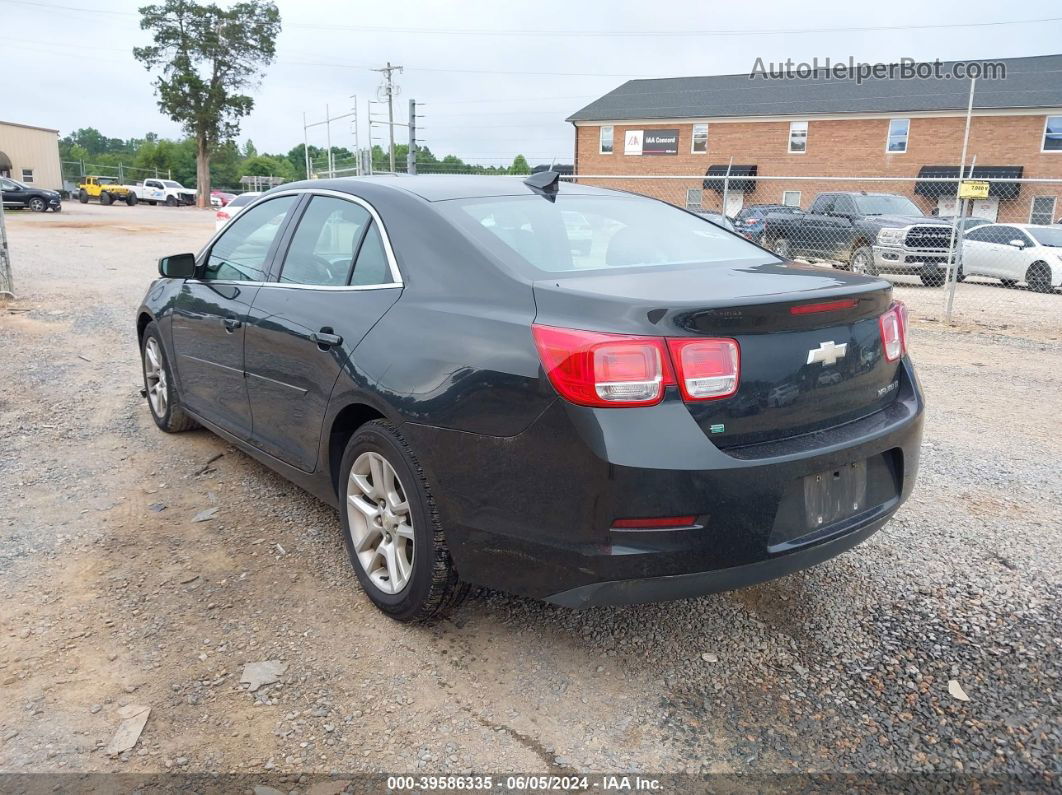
(998, 186)
(747, 185)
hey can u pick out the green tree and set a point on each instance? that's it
(268, 166)
(205, 56)
(225, 165)
(519, 165)
(249, 149)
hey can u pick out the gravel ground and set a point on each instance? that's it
(113, 596)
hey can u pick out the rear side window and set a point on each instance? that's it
(242, 251)
(371, 267)
(323, 247)
(583, 233)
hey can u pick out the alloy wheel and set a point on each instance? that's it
(381, 526)
(155, 376)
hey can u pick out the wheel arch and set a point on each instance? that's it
(142, 321)
(344, 425)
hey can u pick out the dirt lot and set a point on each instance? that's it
(111, 595)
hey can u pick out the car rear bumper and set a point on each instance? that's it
(533, 514)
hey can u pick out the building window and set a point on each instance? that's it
(1053, 134)
(27, 175)
(693, 198)
(700, 138)
(798, 137)
(1043, 210)
(606, 140)
(791, 198)
(896, 142)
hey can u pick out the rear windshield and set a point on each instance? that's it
(579, 233)
(239, 201)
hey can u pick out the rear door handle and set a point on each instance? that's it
(231, 323)
(326, 339)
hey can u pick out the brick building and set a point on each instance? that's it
(832, 127)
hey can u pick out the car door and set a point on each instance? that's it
(154, 191)
(337, 277)
(977, 250)
(1007, 261)
(210, 311)
(15, 195)
(811, 230)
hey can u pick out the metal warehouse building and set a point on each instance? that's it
(31, 155)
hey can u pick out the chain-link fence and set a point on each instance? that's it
(995, 261)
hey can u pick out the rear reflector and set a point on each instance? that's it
(656, 523)
(894, 331)
(590, 368)
(707, 368)
(825, 306)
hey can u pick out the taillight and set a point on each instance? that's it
(654, 523)
(590, 368)
(222, 215)
(707, 369)
(894, 331)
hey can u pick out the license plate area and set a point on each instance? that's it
(835, 494)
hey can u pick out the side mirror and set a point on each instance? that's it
(1017, 243)
(177, 266)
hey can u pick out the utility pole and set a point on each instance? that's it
(411, 157)
(389, 89)
(7, 282)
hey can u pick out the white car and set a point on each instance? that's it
(233, 208)
(1013, 253)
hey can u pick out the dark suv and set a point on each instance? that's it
(20, 196)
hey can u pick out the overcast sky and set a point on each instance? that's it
(68, 63)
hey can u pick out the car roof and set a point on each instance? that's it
(439, 187)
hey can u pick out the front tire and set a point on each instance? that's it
(37, 204)
(862, 261)
(932, 277)
(163, 401)
(391, 528)
(105, 199)
(1038, 277)
(131, 200)
(171, 201)
(781, 247)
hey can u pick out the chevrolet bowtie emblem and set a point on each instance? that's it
(827, 352)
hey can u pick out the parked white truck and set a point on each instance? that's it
(163, 191)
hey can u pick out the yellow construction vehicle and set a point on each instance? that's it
(106, 190)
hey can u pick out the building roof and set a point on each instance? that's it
(27, 126)
(1034, 82)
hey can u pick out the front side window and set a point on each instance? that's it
(242, 252)
(1053, 134)
(791, 198)
(322, 249)
(798, 137)
(896, 142)
(700, 138)
(532, 234)
(27, 176)
(1043, 210)
(606, 140)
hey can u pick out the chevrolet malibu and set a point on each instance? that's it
(551, 389)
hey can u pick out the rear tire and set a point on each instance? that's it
(106, 199)
(163, 400)
(1038, 277)
(392, 530)
(82, 196)
(781, 247)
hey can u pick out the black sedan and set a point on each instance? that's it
(17, 195)
(570, 393)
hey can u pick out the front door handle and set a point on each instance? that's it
(326, 339)
(231, 323)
